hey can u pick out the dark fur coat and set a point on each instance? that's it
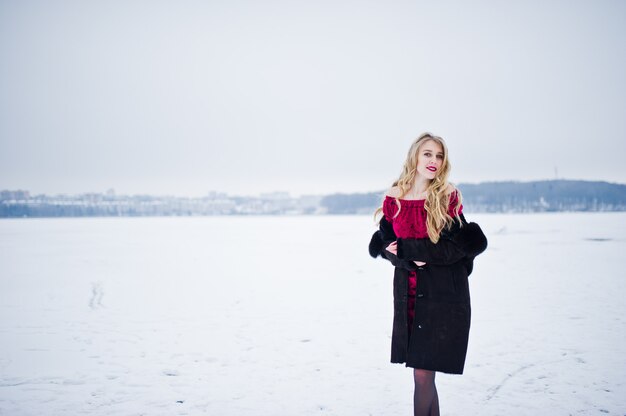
(442, 303)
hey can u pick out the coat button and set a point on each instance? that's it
(419, 326)
(420, 295)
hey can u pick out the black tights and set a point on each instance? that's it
(425, 400)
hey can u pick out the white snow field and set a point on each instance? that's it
(291, 316)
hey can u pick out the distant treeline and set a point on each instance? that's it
(537, 196)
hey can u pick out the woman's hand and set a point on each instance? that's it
(393, 249)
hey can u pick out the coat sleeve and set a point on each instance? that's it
(381, 239)
(454, 245)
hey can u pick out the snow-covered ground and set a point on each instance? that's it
(290, 316)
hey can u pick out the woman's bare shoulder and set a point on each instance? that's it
(450, 189)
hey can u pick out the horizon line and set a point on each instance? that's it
(275, 192)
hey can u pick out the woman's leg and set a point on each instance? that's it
(434, 407)
(425, 399)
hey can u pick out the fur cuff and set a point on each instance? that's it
(376, 245)
(471, 239)
(385, 233)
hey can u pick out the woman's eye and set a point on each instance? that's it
(439, 157)
(427, 154)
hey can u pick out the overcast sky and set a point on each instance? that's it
(247, 96)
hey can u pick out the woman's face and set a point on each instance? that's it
(429, 159)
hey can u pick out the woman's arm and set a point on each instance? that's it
(397, 262)
(461, 242)
(381, 239)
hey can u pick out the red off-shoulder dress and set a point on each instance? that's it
(411, 223)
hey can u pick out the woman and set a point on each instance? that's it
(424, 234)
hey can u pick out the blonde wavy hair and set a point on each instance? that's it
(438, 199)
